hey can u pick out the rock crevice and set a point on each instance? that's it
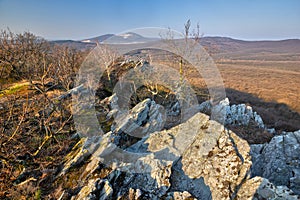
(197, 159)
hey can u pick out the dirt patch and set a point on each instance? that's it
(252, 134)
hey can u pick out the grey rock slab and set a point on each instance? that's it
(259, 188)
(279, 161)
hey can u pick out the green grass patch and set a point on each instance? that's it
(18, 87)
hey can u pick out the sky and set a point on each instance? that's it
(81, 19)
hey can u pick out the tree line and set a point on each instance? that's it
(25, 56)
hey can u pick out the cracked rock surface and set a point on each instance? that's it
(259, 188)
(279, 160)
(197, 159)
(239, 115)
(203, 162)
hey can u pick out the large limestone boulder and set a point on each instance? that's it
(146, 117)
(197, 159)
(239, 115)
(259, 188)
(279, 160)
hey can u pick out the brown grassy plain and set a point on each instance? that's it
(265, 75)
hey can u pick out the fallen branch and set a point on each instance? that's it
(48, 136)
(26, 181)
(25, 109)
(75, 90)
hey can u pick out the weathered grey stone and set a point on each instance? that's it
(175, 109)
(86, 193)
(77, 155)
(178, 138)
(205, 107)
(105, 190)
(195, 186)
(223, 166)
(134, 194)
(279, 161)
(257, 159)
(146, 117)
(111, 101)
(179, 196)
(214, 161)
(153, 174)
(94, 190)
(154, 181)
(219, 111)
(231, 115)
(260, 188)
(271, 130)
(198, 158)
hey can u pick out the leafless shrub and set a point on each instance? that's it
(65, 65)
(36, 126)
(21, 55)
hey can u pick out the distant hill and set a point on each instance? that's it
(74, 44)
(229, 44)
(125, 38)
(220, 47)
(100, 38)
(261, 50)
(120, 39)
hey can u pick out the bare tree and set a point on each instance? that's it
(108, 57)
(21, 55)
(65, 65)
(182, 47)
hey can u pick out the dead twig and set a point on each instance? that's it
(25, 110)
(48, 136)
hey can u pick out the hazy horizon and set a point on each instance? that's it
(205, 36)
(78, 20)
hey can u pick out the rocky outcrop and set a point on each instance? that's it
(96, 189)
(259, 188)
(242, 115)
(204, 148)
(146, 117)
(279, 160)
(197, 159)
(239, 115)
(179, 196)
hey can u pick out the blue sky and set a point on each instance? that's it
(79, 19)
